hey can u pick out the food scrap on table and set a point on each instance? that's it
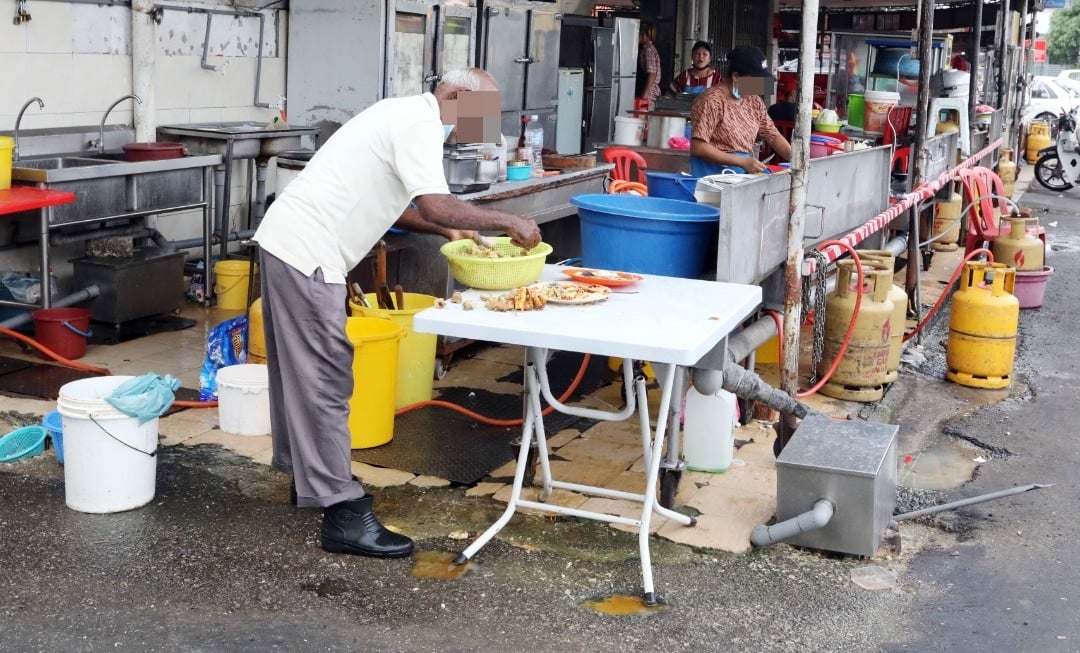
(522, 299)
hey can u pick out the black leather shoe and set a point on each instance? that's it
(351, 527)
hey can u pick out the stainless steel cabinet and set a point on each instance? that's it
(520, 49)
(425, 40)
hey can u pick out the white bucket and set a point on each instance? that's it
(244, 399)
(876, 111)
(109, 461)
(709, 430)
(629, 131)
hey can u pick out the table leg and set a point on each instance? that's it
(531, 428)
(649, 503)
(46, 281)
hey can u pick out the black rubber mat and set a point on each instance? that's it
(446, 444)
(40, 380)
(112, 334)
(8, 365)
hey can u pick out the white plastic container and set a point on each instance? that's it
(876, 111)
(109, 462)
(628, 131)
(709, 430)
(244, 399)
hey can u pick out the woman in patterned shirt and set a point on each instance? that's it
(729, 117)
(700, 76)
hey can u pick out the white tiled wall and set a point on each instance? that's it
(77, 59)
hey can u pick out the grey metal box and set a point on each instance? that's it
(851, 463)
(147, 283)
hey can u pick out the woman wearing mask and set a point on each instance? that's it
(700, 76)
(728, 118)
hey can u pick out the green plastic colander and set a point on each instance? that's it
(510, 271)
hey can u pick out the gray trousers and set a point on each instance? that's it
(310, 359)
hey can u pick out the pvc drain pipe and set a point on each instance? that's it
(813, 519)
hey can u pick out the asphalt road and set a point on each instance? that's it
(220, 562)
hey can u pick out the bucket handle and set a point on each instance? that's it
(85, 334)
(148, 453)
(221, 290)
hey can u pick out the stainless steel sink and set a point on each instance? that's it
(107, 186)
(248, 140)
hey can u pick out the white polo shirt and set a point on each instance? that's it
(356, 186)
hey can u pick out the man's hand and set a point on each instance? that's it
(460, 234)
(524, 233)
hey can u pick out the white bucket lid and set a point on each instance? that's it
(247, 378)
(85, 398)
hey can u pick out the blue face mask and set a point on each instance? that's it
(446, 129)
(735, 92)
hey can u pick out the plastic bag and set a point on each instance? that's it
(226, 345)
(25, 286)
(145, 397)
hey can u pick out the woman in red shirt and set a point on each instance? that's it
(700, 75)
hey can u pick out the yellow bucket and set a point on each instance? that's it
(231, 284)
(256, 338)
(768, 353)
(416, 355)
(371, 409)
(7, 144)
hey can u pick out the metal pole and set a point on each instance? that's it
(926, 51)
(976, 47)
(967, 502)
(800, 158)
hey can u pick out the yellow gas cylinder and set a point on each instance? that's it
(946, 223)
(864, 367)
(1038, 138)
(1007, 171)
(256, 340)
(982, 327)
(884, 260)
(1017, 246)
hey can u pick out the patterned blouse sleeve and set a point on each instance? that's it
(767, 130)
(678, 85)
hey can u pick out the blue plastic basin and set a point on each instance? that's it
(648, 235)
(54, 424)
(671, 185)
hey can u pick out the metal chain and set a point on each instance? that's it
(814, 290)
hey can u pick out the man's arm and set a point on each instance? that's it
(413, 221)
(451, 213)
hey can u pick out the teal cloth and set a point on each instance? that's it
(145, 397)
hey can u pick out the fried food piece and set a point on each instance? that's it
(521, 299)
(456, 298)
(467, 305)
(440, 303)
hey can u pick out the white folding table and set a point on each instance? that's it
(673, 323)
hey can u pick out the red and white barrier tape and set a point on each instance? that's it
(924, 192)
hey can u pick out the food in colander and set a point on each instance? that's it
(477, 250)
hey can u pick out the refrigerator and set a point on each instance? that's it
(609, 56)
(568, 126)
(425, 39)
(519, 48)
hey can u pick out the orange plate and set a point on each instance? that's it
(602, 277)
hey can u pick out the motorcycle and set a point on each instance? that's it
(1058, 167)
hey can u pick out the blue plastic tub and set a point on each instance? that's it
(54, 424)
(671, 185)
(648, 235)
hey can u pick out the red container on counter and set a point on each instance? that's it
(153, 151)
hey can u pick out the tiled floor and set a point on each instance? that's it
(729, 504)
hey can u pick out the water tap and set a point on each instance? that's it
(99, 144)
(18, 120)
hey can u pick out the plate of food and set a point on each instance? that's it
(569, 292)
(602, 277)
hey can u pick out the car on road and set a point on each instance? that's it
(1047, 99)
(1070, 73)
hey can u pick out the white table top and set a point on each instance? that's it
(665, 320)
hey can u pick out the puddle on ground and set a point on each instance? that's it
(439, 564)
(947, 465)
(621, 605)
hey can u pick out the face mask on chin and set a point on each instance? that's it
(446, 131)
(735, 92)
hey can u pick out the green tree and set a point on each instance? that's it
(1063, 41)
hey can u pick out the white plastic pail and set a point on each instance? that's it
(109, 461)
(629, 131)
(244, 399)
(876, 110)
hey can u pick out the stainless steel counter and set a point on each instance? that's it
(543, 199)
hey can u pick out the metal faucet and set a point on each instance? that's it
(100, 144)
(18, 120)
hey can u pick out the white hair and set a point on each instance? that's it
(464, 79)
